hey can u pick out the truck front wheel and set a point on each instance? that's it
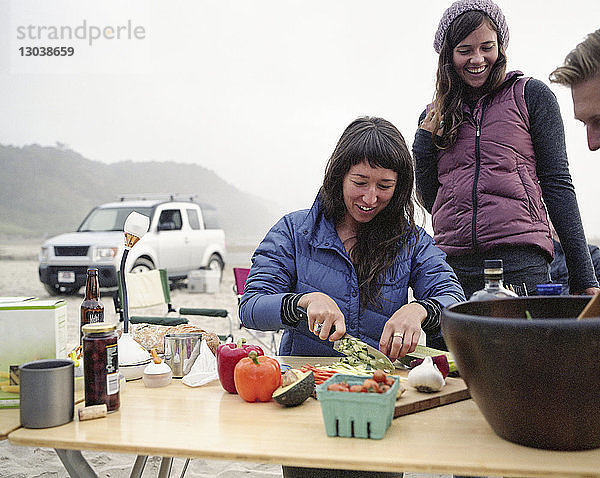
(142, 265)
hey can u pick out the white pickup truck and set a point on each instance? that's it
(183, 236)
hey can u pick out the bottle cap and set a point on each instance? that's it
(492, 264)
(98, 327)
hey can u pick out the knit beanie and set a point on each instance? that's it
(461, 6)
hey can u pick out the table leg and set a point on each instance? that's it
(75, 463)
(165, 467)
(187, 462)
(138, 467)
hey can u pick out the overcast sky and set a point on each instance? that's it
(257, 91)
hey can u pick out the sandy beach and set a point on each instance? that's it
(19, 277)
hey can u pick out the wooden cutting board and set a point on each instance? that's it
(413, 401)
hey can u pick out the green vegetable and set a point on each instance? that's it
(357, 353)
(297, 392)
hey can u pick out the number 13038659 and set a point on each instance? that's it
(46, 51)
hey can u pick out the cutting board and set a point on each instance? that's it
(413, 401)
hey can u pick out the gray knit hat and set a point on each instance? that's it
(461, 6)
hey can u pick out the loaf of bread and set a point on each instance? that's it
(153, 336)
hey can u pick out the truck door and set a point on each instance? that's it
(173, 242)
(198, 239)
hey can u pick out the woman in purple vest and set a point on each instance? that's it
(490, 159)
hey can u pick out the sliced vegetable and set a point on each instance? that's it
(320, 374)
(357, 369)
(357, 353)
(421, 352)
(296, 392)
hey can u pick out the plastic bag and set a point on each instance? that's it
(204, 369)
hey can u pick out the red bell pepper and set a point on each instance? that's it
(228, 355)
(257, 377)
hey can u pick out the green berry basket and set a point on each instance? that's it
(355, 414)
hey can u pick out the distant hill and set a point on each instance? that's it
(49, 190)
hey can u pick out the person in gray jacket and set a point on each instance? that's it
(581, 71)
(349, 261)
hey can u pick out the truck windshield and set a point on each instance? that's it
(110, 219)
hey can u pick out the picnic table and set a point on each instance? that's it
(207, 422)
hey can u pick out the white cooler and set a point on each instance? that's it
(30, 329)
(203, 281)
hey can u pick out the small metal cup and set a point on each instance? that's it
(181, 350)
(46, 393)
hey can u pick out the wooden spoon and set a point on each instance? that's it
(592, 309)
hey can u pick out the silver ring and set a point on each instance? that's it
(398, 334)
(318, 328)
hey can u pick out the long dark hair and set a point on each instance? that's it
(379, 241)
(451, 90)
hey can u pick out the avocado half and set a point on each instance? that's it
(297, 392)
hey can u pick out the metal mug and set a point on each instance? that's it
(181, 350)
(46, 393)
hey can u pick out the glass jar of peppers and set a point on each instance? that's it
(101, 365)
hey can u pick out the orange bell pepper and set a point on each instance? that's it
(256, 377)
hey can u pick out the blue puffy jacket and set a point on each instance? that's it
(303, 253)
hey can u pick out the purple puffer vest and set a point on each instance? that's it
(489, 193)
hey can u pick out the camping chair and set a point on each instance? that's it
(267, 338)
(150, 290)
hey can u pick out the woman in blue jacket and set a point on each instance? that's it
(350, 259)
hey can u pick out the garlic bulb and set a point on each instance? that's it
(426, 377)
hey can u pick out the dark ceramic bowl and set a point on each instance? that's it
(537, 382)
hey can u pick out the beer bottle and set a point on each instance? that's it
(92, 310)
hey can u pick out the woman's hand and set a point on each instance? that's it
(430, 122)
(588, 291)
(323, 312)
(402, 331)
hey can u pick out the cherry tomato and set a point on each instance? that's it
(379, 376)
(370, 385)
(384, 388)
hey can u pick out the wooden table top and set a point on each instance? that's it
(10, 418)
(207, 422)
(9, 421)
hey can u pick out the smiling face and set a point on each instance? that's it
(474, 56)
(586, 103)
(367, 191)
